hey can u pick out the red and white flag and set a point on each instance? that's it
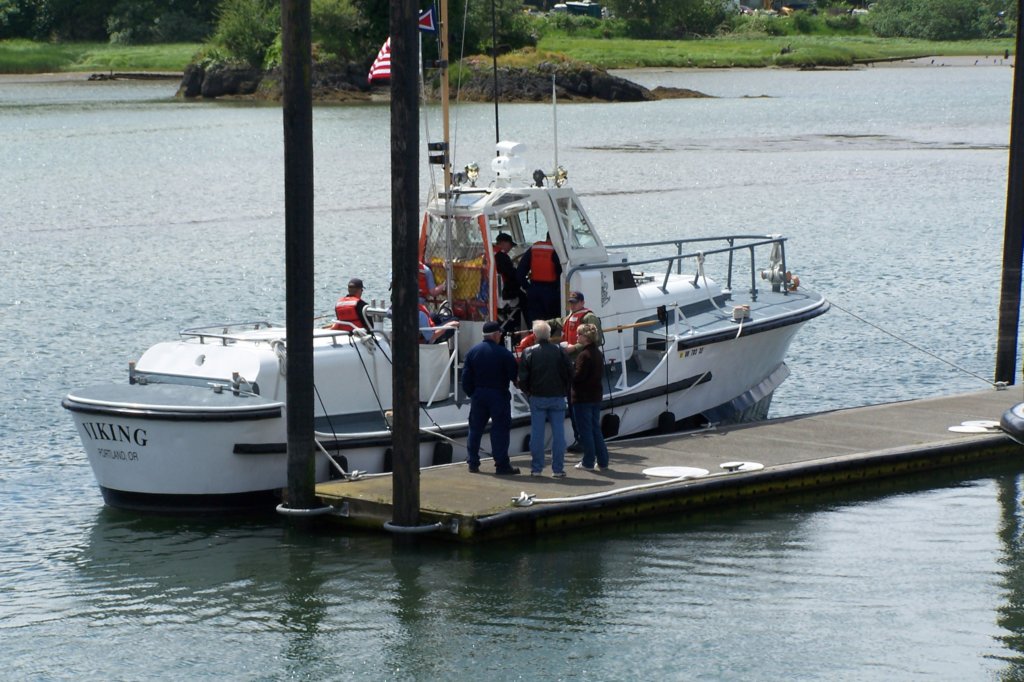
(381, 69)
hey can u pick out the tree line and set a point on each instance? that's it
(352, 30)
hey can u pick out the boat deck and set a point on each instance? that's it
(798, 454)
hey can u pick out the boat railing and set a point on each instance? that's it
(225, 333)
(684, 249)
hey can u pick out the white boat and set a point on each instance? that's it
(200, 423)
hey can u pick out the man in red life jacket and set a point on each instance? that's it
(351, 309)
(427, 287)
(569, 325)
(539, 272)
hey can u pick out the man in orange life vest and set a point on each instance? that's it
(578, 316)
(351, 309)
(427, 287)
(538, 272)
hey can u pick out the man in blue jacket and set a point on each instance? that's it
(486, 374)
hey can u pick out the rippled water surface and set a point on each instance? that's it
(128, 215)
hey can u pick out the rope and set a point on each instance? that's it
(440, 429)
(707, 287)
(369, 379)
(994, 384)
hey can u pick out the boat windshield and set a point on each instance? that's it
(526, 223)
(581, 235)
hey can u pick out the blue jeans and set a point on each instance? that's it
(547, 409)
(588, 421)
(489, 404)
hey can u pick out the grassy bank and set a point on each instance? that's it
(797, 50)
(24, 56)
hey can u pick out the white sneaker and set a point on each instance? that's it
(580, 466)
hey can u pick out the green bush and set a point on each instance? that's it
(141, 22)
(803, 22)
(247, 28)
(339, 29)
(515, 29)
(843, 23)
(752, 25)
(934, 19)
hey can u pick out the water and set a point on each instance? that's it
(127, 215)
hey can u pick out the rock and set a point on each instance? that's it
(345, 82)
(572, 82)
(220, 80)
(191, 81)
(662, 92)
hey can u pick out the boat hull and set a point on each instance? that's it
(172, 447)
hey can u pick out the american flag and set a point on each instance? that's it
(381, 69)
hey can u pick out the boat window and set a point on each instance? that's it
(580, 233)
(531, 223)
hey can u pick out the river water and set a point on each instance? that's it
(127, 215)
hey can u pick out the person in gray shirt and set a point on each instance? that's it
(545, 376)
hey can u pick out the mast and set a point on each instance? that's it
(441, 153)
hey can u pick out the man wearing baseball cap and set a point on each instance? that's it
(512, 297)
(351, 309)
(488, 369)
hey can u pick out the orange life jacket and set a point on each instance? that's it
(346, 311)
(571, 324)
(542, 263)
(527, 341)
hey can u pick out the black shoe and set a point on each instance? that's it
(575, 447)
(474, 470)
(511, 471)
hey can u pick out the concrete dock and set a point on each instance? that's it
(798, 454)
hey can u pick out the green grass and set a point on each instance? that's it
(25, 56)
(792, 50)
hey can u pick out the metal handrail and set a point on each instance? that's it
(223, 335)
(679, 256)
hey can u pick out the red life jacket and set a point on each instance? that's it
(346, 311)
(542, 263)
(526, 342)
(571, 324)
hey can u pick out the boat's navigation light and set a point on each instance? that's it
(538, 177)
(469, 174)
(561, 176)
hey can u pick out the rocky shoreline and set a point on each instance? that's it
(346, 82)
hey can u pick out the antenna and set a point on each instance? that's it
(554, 118)
(494, 62)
